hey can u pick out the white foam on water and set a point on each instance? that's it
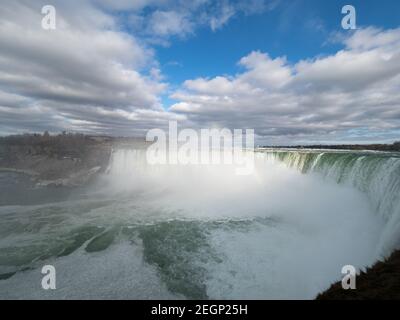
(116, 273)
(294, 233)
(320, 225)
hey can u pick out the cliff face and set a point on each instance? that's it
(54, 157)
(62, 160)
(381, 281)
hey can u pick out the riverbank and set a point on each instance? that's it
(73, 160)
(60, 160)
(380, 282)
(13, 170)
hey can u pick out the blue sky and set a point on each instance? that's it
(297, 29)
(284, 68)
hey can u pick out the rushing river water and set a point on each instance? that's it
(202, 232)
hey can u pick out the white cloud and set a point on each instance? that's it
(83, 65)
(166, 23)
(316, 99)
(227, 11)
(371, 38)
(167, 18)
(265, 72)
(89, 75)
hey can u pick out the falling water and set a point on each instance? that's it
(202, 231)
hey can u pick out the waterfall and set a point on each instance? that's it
(377, 174)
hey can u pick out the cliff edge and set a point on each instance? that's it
(380, 282)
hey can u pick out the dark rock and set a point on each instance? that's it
(381, 281)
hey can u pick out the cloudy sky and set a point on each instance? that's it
(284, 68)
